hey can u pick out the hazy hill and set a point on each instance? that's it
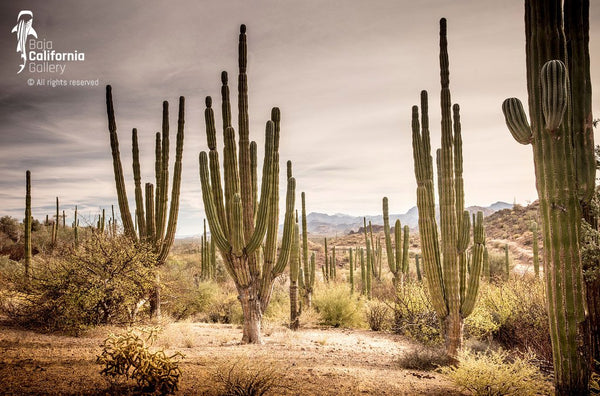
(341, 224)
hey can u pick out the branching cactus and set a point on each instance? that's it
(560, 133)
(243, 226)
(153, 224)
(398, 259)
(453, 292)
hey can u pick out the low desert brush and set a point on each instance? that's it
(494, 373)
(128, 356)
(246, 377)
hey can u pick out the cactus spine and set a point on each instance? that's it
(238, 230)
(561, 136)
(27, 224)
(453, 294)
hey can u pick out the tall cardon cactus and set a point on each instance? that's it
(560, 133)
(453, 291)
(238, 219)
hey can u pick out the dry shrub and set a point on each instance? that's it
(414, 315)
(102, 281)
(497, 374)
(378, 315)
(514, 314)
(423, 358)
(128, 356)
(246, 377)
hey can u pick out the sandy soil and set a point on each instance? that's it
(312, 361)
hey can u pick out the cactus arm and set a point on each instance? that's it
(405, 246)
(162, 189)
(176, 188)
(286, 241)
(118, 168)
(576, 24)
(244, 141)
(254, 177)
(399, 246)
(391, 259)
(157, 173)
(307, 270)
(215, 168)
(150, 219)
(232, 177)
(210, 209)
(267, 186)
(237, 229)
(516, 120)
(468, 302)
(139, 199)
(554, 83)
(459, 184)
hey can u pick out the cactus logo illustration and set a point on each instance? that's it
(24, 29)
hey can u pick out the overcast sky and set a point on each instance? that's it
(344, 73)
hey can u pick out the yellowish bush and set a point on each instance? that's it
(494, 374)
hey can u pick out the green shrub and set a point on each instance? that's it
(495, 374)
(128, 356)
(337, 307)
(103, 280)
(414, 315)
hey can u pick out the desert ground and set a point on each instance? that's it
(312, 361)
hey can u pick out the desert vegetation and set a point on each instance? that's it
(503, 305)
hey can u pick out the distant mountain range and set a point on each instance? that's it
(342, 224)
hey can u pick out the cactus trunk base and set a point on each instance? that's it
(453, 333)
(252, 316)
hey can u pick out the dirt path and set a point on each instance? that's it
(312, 361)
